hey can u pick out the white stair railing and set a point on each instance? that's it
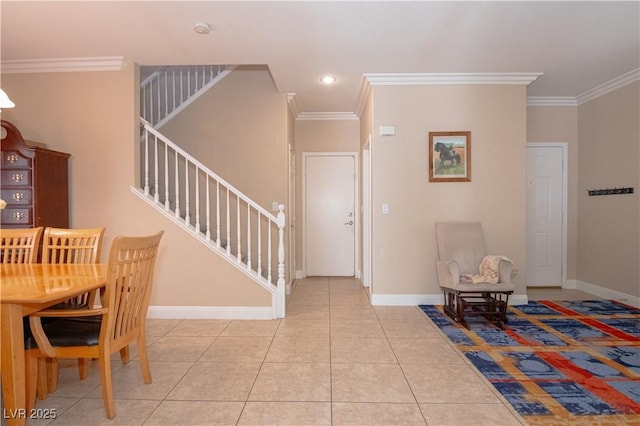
(214, 211)
(170, 89)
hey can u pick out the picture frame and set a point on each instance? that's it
(450, 156)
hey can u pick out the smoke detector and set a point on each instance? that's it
(201, 27)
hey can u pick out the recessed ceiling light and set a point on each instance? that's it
(328, 79)
(201, 27)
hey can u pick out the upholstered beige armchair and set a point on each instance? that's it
(473, 282)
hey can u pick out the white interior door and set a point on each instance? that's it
(545, 210)
(330, 216)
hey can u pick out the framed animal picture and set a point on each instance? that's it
(449, 156)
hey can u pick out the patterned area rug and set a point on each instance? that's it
(559, 363)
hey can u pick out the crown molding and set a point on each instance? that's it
(616, 83)
(405, 79)
(363, 95)
(293, 105)
(552, 101)
(596, 92)
(107, 63)
(327, 116)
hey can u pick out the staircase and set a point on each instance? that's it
(201, 202)
(170, 89)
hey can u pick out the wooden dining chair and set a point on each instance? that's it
(62, 245)
(20, 245)
(122, 315)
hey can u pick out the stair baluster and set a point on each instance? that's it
(252, 236)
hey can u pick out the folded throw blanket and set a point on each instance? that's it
(489, 270)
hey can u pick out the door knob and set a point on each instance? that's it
(349, 223)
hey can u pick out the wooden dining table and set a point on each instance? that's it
(24, 289)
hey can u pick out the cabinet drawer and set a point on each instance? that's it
(16, 178)
(22, 216)
(13, 160)
(17, 196)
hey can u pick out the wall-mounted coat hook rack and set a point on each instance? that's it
(610, 191)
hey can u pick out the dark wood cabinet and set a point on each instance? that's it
(34, 183)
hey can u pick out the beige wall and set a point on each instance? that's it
(609, 225)
(239, 130)
(560, 124)
(93, 116)
(404, 247)
(319, 136)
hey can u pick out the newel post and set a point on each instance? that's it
(281, 295)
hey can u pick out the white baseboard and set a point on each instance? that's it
(266, 312)
(406, 299)
(518, 299)
(605, 293)
(299, 275)
(428, 299)
(210, 312)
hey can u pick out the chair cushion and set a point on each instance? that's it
(29, 340)
(74, 331)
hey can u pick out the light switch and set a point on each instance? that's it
(385, 209)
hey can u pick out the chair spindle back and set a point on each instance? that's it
(129, 282)
(20, 245)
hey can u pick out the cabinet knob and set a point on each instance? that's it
(11, 158)
(18, 196)
(17, 177)
(18, 215)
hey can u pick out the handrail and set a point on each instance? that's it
(149, 128)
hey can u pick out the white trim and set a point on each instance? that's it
(107, 63)
(570, 285)
(327, 116)
(406, 299)
(428, 299)
(210, 312)
(300, 275)
(605, 293)
(363, 95)
(565, 197)
(616, 83)
(367, 216)
(356, 195)
(569, 101)
(602, 89)
(292, 102)
(403, 79)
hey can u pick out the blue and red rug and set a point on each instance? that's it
(557, 363)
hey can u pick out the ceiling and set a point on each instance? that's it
(577, 45)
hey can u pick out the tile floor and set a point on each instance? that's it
(334, 360)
